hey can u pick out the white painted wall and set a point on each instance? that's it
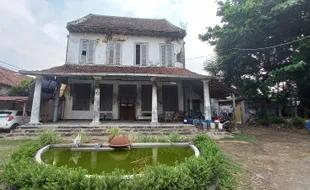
(128, 42)
(72, 114)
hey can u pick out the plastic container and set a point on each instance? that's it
(309, 126)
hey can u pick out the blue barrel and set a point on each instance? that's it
(309, 126)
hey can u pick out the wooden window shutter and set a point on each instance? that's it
(163, 55)
(110, 53)
(169, 55)
(118, 53)
(143, 54)
(83, 50)
(91, 51)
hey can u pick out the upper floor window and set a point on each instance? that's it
(114, 53)
(166, 55)
(141, 53)
(87, 51)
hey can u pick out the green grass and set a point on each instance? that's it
(243, 136)
(7, 147)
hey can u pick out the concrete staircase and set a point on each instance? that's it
(32, 131)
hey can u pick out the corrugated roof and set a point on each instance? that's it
(10, 78)
(125, 25)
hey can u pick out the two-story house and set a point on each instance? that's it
(125, 69)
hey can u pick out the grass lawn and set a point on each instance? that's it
(7, 147)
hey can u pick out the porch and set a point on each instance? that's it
(94, 93)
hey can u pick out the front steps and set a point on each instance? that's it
(32, 131)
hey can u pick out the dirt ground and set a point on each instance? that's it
(278, 159)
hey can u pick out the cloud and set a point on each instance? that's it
(33, 33)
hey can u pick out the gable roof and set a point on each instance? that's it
(125, 25)
(10, 78)
(100, 70)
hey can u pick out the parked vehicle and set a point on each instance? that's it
(10, 119)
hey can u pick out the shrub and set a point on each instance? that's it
(298, 122)
(277, 120)
(174, 137)
(21, 172)
(84, 137)
(48, 137)
(263, 121)
(114, 131)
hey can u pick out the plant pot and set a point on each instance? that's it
(119, 141)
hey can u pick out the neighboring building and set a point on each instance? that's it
(9, 78)
(126, 69)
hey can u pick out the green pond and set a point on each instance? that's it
(131, 161)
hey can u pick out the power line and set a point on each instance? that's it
(8, 67)
(11, 65)
(254, 49)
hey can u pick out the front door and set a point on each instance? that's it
(127, 95)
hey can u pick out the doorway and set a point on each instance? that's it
(127, 97)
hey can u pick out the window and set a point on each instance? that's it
(19, 113)
(87, 51)
(146, 95)
(170, 98)
(106, 97)
(166, 55)
(81, 97)
(141, 53)
(114, 53)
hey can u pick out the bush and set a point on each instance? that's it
(298, 122)
(174, 137)
(277, 120)
(263, 121)
(21, 172)
(48, 137)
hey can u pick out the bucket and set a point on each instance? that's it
(309, 126)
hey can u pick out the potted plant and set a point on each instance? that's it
(116, 140)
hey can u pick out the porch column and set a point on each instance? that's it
(56, 103)
(96, 118)
(154, 103)
(35, 110)
(206, 98)
(160, 97)
(180, 97)
(139, 100)
(115, 114)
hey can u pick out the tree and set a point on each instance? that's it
(246, 53)
(22, 89)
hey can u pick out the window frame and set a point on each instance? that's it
(114, 52)
(135, 53)
(74, 86)
(166, 64)
(87, 51)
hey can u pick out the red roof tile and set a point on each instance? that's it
(13, 99)
(10, 78)
(87, 69)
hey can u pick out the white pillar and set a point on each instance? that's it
(139, 100)
(96, 116)
(115, 114)
(206, 98)
(154, 103)
(56, 103)
(180, 97)
(160, 97)
(35, 110)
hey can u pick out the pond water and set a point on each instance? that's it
(132, 161)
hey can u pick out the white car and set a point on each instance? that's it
(10, 119)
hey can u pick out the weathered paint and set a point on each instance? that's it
(96, 113)
(154, 103)
(139, 100)
(56, 103)
(128, 48)
(206, 98)
(35, 111)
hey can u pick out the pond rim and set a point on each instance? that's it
(106, 147)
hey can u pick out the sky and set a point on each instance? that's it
(33, 32)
